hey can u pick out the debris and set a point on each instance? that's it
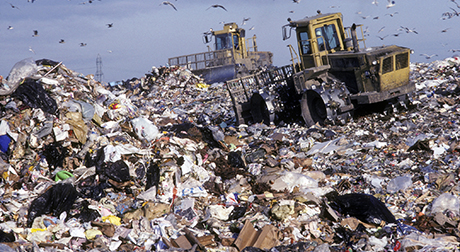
(158, 163)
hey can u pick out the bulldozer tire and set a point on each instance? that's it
(313, 108)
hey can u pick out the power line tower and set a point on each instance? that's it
(99, 73)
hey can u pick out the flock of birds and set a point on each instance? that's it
(403, 29)
(390, 3)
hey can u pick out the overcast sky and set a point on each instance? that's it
(146, 33)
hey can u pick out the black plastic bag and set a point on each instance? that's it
(235, 160)
(59, 198)
(89, 189)
(153, 176)
(364, 207)
(34, 95)
(252, 249)
(55, 154)
(118, 171)
(86, 214)
(237, 213)
(6, 237)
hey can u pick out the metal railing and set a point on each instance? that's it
(203, 60)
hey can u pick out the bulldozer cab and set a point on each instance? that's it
(317, 37)
(231, 38)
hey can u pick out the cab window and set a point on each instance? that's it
(223, 41)
(235, 42)
(304, 43)
(327, 37)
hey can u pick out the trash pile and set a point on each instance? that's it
(157, 164)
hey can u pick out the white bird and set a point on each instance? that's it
(32, 50)
(61, 41)
(10, 27)
(375, 2)
(296, 1)
(428, 56)
(454, 50)
(169, 3)
(381, 29)
(82, 44)
(244, 21)
(382, 38)
(390, 4)
(408, 30)
(252, 28)
(391, 14)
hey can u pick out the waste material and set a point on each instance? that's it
(157, 163)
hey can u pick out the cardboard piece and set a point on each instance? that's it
(265, 238)
(182, 242)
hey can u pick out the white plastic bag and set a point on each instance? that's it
(145, 129)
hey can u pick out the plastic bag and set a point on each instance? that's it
(79, 127)
(56, 200)
(20, 70)
(153, 176)
(364, 207)
(55, 154)
(34, 95)
(400, 183)
(118, 171)
(446, 201)
(235, 160)
(145, 129)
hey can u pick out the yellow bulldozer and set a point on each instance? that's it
(231, 56)
(332, 74)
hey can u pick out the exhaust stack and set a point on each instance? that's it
(354, 38)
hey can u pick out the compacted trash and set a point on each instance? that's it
(157, 163)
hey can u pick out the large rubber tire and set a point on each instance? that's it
(313, 108)
(259, 109)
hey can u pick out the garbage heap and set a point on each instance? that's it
(156, 164)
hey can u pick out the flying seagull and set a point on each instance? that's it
(61, 41)
(32, 50)
(428, 56)
(296, 1)
(381, 29)
(390, 4)
(35, 33)
(82, 44)
(409, 30)
(391, 14)
(10, 27)
(14, 6)
(458, 6)
(445, 30)
(169, 3)
(110, 25)
(375, 2)
(244, 21)
(382, 38)
(217, 6)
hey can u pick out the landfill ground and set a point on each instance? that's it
(156, 163)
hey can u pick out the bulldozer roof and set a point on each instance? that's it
(317, 18)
